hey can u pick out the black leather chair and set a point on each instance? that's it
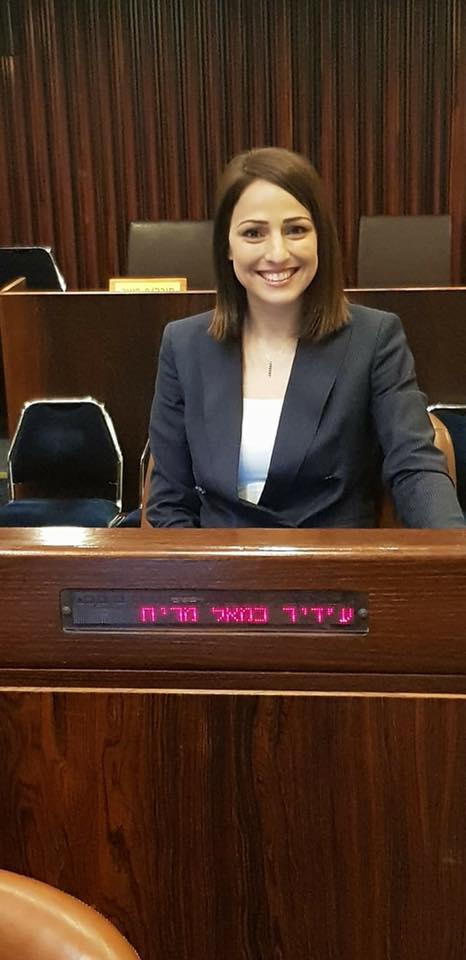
(39, 922)
(172, 248)
(65, 466)
(404, 251)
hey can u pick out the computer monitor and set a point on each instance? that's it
(36, 264)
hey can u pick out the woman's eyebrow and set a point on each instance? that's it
(250, 220)
(263, 222)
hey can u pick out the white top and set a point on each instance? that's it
(260, 424)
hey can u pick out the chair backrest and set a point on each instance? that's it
(387, 515)
(453, 418)
(39, 922)
(404, 251)
(66, 447)
(145, 492)
(172, 248)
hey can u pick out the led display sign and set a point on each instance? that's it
(226, 610)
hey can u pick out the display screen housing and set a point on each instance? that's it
(225, 610)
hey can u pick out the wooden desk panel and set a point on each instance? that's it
(245, 827)
(106, 345)
(414, 582)
(262, 796)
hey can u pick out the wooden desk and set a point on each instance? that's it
(243, 793)
(106, 345)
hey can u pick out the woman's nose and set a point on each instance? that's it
(276, 250)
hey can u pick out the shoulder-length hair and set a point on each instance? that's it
(324, 303)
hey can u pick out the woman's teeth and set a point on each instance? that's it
(277, 277)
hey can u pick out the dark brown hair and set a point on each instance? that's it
(324, 303)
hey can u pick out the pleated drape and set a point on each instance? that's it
(115, 110)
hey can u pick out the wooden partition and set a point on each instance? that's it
(99, 344)
(106, 345)
(435, 324)
(12, 286)
(235, 790)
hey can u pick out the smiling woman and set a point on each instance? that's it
(273, 249)
(272, 200)
(280, 408)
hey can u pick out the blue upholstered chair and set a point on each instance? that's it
(133, 518)
(65, 466)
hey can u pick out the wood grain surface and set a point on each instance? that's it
(245, 827)
(242, 796)
(414, 582)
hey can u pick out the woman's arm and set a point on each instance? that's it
(414, 468)
(173, 501)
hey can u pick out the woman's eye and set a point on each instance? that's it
(252, 233)
(296, 229)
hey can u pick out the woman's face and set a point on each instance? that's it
(273, 245)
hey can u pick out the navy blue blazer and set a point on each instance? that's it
(351, 410)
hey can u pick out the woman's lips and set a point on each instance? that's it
(277, 277)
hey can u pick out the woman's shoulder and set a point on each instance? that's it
(358, 313)
(368, 316)
(182, 331)
(367, 321)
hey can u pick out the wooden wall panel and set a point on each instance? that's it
(114, 110)
(245, 827)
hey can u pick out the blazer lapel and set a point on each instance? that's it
(223, 411)
(312, 377)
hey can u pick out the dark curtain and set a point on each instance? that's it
(116, 110)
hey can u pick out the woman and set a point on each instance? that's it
(279, 409)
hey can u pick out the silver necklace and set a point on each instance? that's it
(271, 360)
